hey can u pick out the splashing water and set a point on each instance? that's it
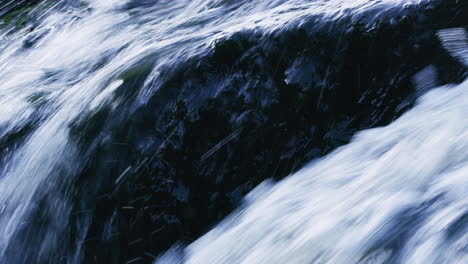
(356, 204)
(396, 194)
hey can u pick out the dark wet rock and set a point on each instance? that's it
(8, 6)
(256, 106)
(19, 14)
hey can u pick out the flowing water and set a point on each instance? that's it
(394, 194)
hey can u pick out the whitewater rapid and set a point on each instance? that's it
(70, 63)
(395, 194)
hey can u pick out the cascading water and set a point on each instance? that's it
(394, 194)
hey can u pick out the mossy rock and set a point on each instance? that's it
(18, 17)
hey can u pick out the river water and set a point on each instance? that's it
(396, 194)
